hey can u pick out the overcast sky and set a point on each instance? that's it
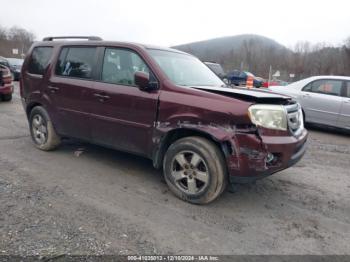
(167, 23)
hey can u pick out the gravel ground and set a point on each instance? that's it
(85, 199)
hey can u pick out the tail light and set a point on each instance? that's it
(6, 75)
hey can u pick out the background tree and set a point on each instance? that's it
(15, 38)
(3, 33)
(256, 54)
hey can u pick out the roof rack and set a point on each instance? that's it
(213, 62)
(90, 38)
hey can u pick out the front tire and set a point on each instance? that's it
(42, 131)
(195, 170)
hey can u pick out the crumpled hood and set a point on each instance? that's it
(258, 96)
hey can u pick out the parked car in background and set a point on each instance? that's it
(15, 67)
(6, 85)
(238, 78)
(217, 69)
(324, 99)
(5, 62)
(260, 80)
(274, 83)
(162, 104)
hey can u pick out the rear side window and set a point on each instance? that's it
(327, 87)
(39, 60)
(76, 62)
(347, 89)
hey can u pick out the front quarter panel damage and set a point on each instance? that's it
(204, 117)
(225, 121)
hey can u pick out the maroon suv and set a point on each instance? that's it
(162, 104)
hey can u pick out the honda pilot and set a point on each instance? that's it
(162, 104)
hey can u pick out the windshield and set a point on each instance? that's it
(249, 74)
(185, 70)
(15, 61)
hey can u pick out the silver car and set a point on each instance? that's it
(324, 99)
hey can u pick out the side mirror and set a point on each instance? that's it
(142, 80)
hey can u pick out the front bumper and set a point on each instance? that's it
(251, 156)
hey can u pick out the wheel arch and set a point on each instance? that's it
(304, 116)
(30, 107)
(175, 134)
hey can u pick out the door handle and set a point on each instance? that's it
(101, 97)
(347, 101)
(53, 89)
(306, 95)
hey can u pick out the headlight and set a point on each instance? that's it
(269, 116)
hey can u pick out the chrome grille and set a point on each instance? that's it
(295, 118)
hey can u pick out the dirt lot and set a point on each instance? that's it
(99, 201)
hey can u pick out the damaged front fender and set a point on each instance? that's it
(165, 133)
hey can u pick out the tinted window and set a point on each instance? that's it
(39, 60)
(120, 65)
(328, 87)
(76, 62)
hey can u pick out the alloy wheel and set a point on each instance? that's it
(39, 129)
(190, 172)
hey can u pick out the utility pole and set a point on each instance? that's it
(270, 70)
(22, 54)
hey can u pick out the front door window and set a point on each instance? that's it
(120, 65)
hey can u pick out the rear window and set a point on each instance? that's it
(76, 62)
(39, 60)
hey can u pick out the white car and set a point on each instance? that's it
(324, 99)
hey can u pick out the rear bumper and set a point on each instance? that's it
(249, 161)
(7, 89)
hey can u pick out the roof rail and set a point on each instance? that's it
(90, 38)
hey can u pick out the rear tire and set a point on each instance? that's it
(42, 131)
(195, 170)
(7, 97)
